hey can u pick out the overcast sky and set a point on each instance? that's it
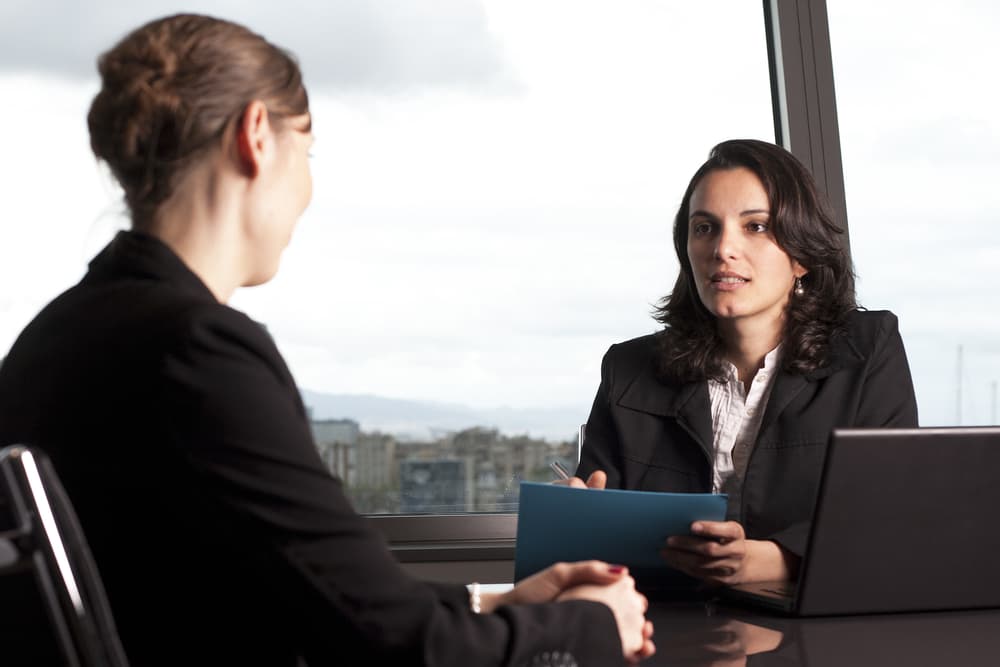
(372, 45)
(495, 181)
(920, 135)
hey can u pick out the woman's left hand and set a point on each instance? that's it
(718, 553)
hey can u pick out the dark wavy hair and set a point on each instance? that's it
(690, 345)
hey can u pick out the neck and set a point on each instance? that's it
(200, 223)
(748, 342)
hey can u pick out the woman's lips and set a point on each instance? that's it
(725, 281)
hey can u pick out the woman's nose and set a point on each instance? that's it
(726, 244)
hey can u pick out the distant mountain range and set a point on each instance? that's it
(418, 420)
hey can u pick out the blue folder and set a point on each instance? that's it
(558, 523)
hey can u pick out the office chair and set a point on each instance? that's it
(47, 540)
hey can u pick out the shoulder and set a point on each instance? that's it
(634, 360)
(870, 320)
(867, 334)
(218, 323)
(163, 323)
(865, 328)
(222, 341)
(223, 372)
(633, 351)
(164, 318)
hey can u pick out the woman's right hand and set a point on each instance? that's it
(629, 608)
(597, 480)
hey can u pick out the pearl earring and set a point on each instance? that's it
(799, 289)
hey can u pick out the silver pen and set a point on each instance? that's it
(559, 470)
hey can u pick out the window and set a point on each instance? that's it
(920, 136)
(487, 222)
(494, 190)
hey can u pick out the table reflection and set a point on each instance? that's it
(720, 635)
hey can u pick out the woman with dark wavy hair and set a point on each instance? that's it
(763, 351)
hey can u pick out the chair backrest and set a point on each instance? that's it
(47, 539)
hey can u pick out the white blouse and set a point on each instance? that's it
(736, 417)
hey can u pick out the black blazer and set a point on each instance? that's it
(650, 434)
(221, 537)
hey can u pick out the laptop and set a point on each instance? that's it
(905, 520)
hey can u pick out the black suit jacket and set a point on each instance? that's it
(651, 434)
(222, 539)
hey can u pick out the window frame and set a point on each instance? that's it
(805, 122)
(802, 93)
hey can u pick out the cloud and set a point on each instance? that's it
(356, 45)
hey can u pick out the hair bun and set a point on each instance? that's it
(168, 91)
(136, 104)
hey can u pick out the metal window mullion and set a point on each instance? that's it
(803, 94)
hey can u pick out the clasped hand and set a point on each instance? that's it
(597, 581)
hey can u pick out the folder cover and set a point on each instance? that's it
(559, 523)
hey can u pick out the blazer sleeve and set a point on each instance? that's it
(234, 414)
(887, 395)
(601, 447)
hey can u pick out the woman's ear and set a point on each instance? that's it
(252, 134)
(798, 270)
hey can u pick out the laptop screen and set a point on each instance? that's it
(904, 521)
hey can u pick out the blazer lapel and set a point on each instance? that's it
(786, 387)
(688, 403)
(694, 413)
(843, 354)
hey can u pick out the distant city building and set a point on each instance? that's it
(435, 486)
(337, 440)
(376, 461)
(474, 470)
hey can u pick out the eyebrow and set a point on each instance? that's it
(749, 211)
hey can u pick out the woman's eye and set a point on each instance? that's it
(702, 228)
(758, 227)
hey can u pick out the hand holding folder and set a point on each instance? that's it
(560, 523)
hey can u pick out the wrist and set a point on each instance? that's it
(475, 598)
(490, 601)
(768, 561)
(481, 602)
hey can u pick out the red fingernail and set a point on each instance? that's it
(616, 569)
